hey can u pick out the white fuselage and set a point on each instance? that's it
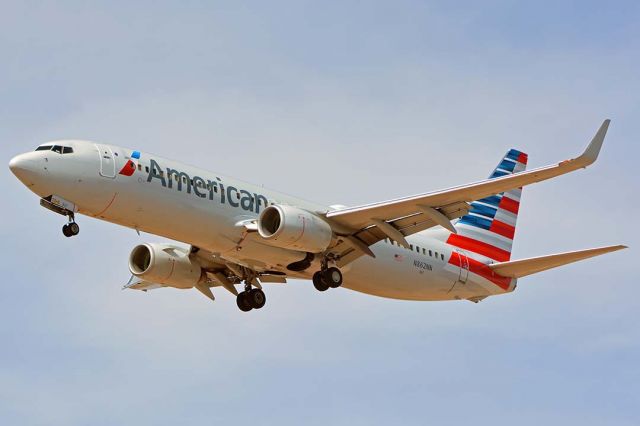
(207, 210)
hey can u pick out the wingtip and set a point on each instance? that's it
(590, 154)
(616, 247)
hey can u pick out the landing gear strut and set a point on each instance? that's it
(72, 228)
(251, 298)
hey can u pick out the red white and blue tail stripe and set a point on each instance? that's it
(489, 227)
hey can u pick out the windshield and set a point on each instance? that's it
(56, 148)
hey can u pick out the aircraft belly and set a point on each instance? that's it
(393, 274)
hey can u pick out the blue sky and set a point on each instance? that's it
(339, 102)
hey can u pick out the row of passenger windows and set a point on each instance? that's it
(418, 249)
(56, 148)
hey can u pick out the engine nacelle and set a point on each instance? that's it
(294, 228)
(165, 264)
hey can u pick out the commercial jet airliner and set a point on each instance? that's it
(452, 244)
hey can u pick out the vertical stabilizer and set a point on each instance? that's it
(489, 228)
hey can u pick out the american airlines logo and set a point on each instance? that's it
(129, 168)
(205, 188)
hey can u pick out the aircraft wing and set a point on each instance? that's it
(365, 225)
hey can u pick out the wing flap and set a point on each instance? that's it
(524, 267)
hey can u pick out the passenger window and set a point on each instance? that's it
(44, 148)
(424, 252)
(418, 249)
(430, 253)
(57, 148)
(139, 167)
(411, 246)
(67, 150)
(146, 168)
(436, 254)
(441, 256)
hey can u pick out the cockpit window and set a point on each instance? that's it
(56, 148)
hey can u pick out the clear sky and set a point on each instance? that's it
(340, 102)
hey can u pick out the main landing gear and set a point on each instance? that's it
(251, 298)
(327, 278)
(71, 229)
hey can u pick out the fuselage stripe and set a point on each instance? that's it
(478, 247)
(483, 270)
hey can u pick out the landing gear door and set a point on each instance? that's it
(107, 161)
(464, 266)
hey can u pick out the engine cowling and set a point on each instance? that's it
(294, 228)
(165, 264)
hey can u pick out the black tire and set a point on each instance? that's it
(74, 228)
(243, 303)
(66, 231)
(318, 282)
(257, 298)
(333, 277)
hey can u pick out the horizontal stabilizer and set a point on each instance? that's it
(524, 267)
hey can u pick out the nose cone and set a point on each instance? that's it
(24, 168)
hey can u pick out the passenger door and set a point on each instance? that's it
(464, 267)
(107, 161)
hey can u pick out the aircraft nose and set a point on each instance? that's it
(23, 167)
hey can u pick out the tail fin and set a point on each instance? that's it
(489, 227)
(524, 267)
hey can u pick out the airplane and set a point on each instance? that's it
(451, 244)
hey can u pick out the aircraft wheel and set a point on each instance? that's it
(319, 283)
(333, 277)
(74, 228)
(243, 302)
(256, 298)
(66, 231)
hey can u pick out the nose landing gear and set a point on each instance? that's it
(71, 229)
(64, 208)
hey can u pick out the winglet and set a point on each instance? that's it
(590, 155)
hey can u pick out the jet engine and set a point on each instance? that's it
(165, 264)
(294, 228)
